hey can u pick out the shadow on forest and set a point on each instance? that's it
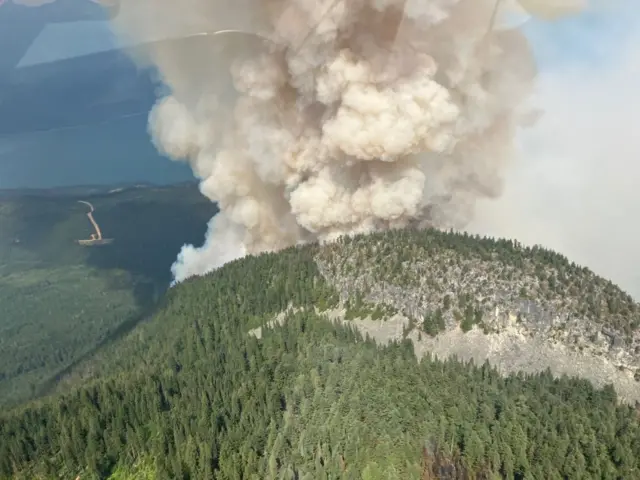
(48, 386)
(149, 227)
(147, 239)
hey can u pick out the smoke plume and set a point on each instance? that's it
(350, 116)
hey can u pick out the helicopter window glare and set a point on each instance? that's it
(59, 41)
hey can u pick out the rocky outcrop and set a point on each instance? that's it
(520, 308)
(513, 333)
(511, 350)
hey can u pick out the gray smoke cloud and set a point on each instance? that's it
(354, 116)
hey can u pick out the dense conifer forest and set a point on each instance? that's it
(190, 395)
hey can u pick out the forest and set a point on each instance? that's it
(62, 302)
(189, 394)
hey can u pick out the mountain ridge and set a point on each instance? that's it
(400, 354)
(503, 288)
(528, 326)
(191, 394)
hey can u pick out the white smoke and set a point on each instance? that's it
(356, 116)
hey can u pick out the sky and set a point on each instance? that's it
(574, 187)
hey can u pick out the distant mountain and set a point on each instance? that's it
(80, 121)
(84, 90)
(88, 190)
(85, 190)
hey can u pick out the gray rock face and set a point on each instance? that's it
(515, 333)
(512, 350)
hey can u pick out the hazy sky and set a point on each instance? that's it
(575, 187)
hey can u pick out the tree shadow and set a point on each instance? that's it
(147, 237)
(49, 386)
(32, 221)
(149, 227)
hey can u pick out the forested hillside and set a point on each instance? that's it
(191, 395)
(536, 308)
(61, 301)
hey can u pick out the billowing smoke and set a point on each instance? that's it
(351, 116)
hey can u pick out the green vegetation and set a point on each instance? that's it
(357, 307)
(60, 301)
(433, 323)
(190, 395)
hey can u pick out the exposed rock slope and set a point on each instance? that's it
(520, 308)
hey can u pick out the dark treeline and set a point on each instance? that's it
(190, 395)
